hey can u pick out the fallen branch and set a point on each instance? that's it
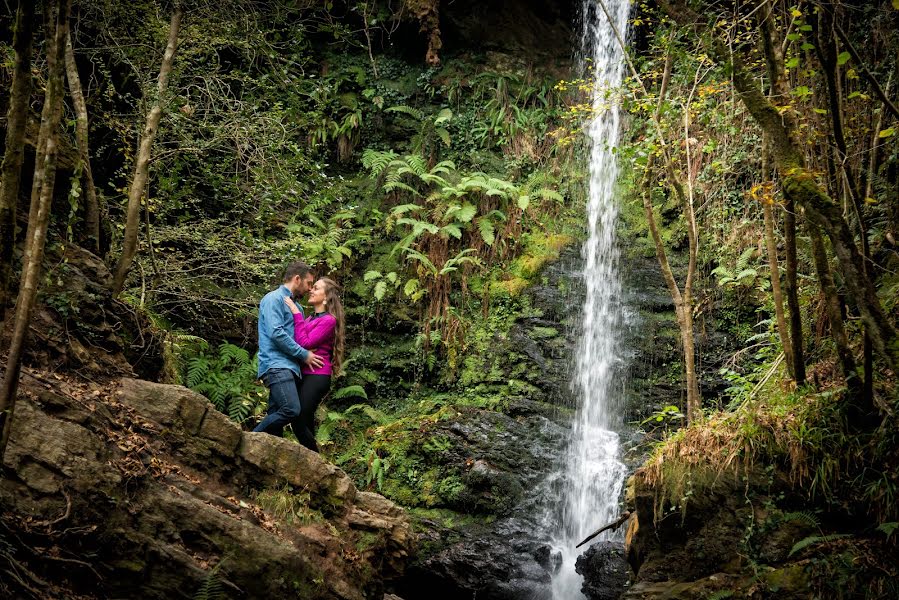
(611, 526)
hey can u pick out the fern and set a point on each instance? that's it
(816, 539)
(350, 391)
(369, 411)
(197, 370)
(227, 379)
(804, 517)
(212, 587)
(406, 110)
(488, 232)
(376, 161)
(235, 354)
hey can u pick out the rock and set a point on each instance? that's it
(279, 460)
(171, 406)
(605, 571)
(128, 479)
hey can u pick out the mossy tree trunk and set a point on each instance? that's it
(16, 117)
(771, 246)
(142, 162)
(91, 205)
(57, 18)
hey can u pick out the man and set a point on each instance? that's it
(279, 354)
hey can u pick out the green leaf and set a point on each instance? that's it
(466, 213)
(443, 116)
(890, 527)
(410, 287)
(524, 201)
(369, 275)
(444, 136)
(404, 208)
(350, 391)
(792, 63)
(885, 133)
(843, 58)
(452, 229)
(488, 232)
(380, 289)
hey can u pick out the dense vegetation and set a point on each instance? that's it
(435, 175)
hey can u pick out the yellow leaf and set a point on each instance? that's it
(797, 13)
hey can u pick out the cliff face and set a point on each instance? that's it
(136, 489)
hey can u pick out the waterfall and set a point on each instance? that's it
(593, 474)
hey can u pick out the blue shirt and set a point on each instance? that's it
(277, 348)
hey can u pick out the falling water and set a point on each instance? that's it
(594, 475)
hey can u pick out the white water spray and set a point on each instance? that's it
(594, 475)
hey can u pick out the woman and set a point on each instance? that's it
(321, 332)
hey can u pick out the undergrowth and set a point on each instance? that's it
(804, 434)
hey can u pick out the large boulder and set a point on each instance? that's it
(149, 492)
(605, 571)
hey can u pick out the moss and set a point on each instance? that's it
(511, 287)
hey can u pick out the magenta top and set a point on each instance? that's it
(316, 334)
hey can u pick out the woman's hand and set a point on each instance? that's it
(291, 305)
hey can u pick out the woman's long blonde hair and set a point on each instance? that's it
(334, 306)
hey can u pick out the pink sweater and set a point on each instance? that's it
(316, 334)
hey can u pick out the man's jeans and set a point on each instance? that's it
(283, 400)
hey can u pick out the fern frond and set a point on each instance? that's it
(406, 110)
(803, 517)
(350, 391)
(816, 539)
(376, 161)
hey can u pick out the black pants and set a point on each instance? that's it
(312, 389)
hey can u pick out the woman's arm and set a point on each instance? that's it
(314, 332)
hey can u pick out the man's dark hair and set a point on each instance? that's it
(294, 269)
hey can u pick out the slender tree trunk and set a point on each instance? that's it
(773, 49)
(39, 216)
(683, 305)
(775, 288)
(91, 206)
(142, 162)
(791, 289)
(10, 172)
(834, 312)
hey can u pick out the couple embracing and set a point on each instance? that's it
(298, 354)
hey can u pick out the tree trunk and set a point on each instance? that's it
(142, 163)
(834, 312)
(39, 216)
(10, 172)
(791, 288)
(775, 288)
(91, 206)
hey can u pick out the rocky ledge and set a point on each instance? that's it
(137, 489)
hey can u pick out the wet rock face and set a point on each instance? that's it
(605, 571)
(501, 550)
(151, 487)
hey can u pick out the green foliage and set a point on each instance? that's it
(227, 378)
(289, 504)
(816, 539)
(212, 587)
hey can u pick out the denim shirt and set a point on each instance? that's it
(277, 348)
